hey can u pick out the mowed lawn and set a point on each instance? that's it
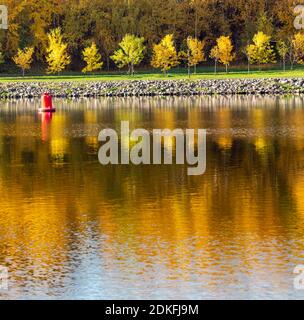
(180, 73)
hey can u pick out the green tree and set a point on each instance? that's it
(92, 58)
(130, 53)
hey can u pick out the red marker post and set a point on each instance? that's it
(46, 103)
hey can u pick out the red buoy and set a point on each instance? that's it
(46, 103)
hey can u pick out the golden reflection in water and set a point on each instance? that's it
(72, 228)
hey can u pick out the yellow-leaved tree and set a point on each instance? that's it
(57, 55)
(261, 51)
(195, 52)
(224, 51)
(24, 58)
(283, 50)
(130, 52)
(215, 55)
(298, 48)
(92, 58)
(165, 56)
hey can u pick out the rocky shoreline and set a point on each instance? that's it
(80, 89)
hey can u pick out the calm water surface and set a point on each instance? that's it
(71, 228)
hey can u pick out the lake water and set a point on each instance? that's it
(72, 228)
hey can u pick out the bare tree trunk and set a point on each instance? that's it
(108, 63)
(215, 66)
(188, 63)
(195, 27)
(291, 59)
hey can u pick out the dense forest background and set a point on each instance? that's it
(106, 22)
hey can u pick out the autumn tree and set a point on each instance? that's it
(92, 58)
(215, 55)
(57, 55)
(77, 26)
(42, 15)
(165, 56)
(225, 51)
(107, 41)
(195, 52)
(251, 53)
(283, 11)
(24, 58)
(283, 50)
(106, 22)
(130, 52)
(11, 38)
(261, 51)
(298, 48)
(264, 22)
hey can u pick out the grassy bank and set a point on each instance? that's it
(202, 73)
